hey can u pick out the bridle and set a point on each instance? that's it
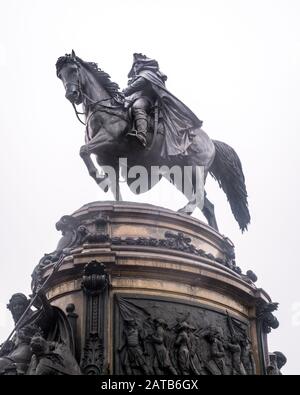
(77, 113)
(91, 103)
(105, 108)
(89, 99)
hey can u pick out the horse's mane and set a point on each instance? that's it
(101, 76)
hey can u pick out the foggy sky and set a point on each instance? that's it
(234, 63)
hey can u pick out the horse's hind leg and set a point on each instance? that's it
(193, 189)
(115, 186)
(209, 213)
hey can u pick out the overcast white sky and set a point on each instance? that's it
(235, 63)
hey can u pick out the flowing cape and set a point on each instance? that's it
(178, 120)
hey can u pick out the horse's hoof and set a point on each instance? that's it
(100, 179)
(185, 210)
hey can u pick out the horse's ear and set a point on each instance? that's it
(73, 54)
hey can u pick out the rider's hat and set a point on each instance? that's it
(144, 63)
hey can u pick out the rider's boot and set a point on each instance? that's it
(141, 124)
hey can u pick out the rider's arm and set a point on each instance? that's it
(138, 84)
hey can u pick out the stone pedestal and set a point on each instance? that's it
(148, 290)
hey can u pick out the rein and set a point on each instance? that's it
(107, 109)
(77, 113)
(93, 103)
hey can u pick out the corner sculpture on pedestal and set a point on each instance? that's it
(133, 288)
(43, 342)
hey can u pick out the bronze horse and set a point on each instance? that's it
(107, 122)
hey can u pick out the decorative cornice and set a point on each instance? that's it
(179, 242)
(77, 232)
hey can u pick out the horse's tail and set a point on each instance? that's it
(227, 170)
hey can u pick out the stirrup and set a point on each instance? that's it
(139, 136)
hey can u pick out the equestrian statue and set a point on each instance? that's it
(149, 127)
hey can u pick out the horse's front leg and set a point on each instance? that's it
(93, 172)
(110, 180)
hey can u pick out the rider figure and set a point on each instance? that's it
(146, 86)
(140, 94)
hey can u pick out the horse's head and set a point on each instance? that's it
(67, 69)
(85, 81)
